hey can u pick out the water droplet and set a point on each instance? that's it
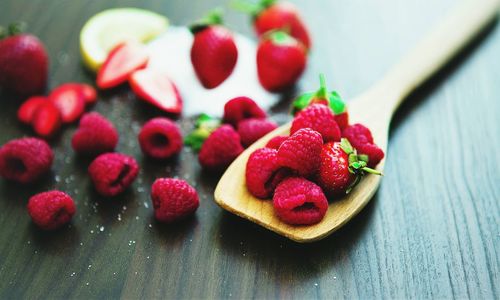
(87, 283)
(146, 205)
(315, 284)
(57, 178)
(73, 274)
(137, 217)
(92, 231)
(90, 266)
(101, 228)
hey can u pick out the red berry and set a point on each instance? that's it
(46, 120)
(95, 135)
(276, 142)
(320, 118)
(298, 201)
(361, 139)
(300, 152)
(240, 108)
(342, 120)
(28, 108)
(160, 138)
(263, 172)
(157, 89)
(88, 92)
(25, 160)
(173, 199)
(121, 62)
(333, 174)
(70, 101)
(51, 210)
(250, 130)
(220, 149)
(112, 173)
(281, 60)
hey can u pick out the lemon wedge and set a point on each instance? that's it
(110, 27)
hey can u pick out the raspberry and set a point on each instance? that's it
(276, 142)
(51, 210)
(25, 160)
(263, 172)
(95, 135)
(173, 199)
(112, 173)
(320, 118)
(160, 138)
(220, 149)
(250, 130)
(342, 120)
(241, 108)
(361, 139)
(300, 152)
(298, 201)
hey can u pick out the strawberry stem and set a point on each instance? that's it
(253, 9)
(322, 93)
(213, 17)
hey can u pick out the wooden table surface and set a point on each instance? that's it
(432, 230)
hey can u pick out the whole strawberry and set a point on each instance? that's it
(341, 168)
(23, 63)
(220, 149)
(281, 59)
(213, 53)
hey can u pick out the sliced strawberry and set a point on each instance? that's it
(157, 89)
(70, 101)
(28, 108)
(122, 61)
(46, 120)
(89, 93)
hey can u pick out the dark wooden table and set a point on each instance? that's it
(432, 230)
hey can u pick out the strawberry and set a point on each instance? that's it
(23, 63)
(89, 93)
(341, 168)
(122, 61)
(157, 89)
(272, 15)
(28, 108)
(281, 59)
(46, 120)
(213, 53)
(70, 101)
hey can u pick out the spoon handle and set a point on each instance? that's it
(453, 33)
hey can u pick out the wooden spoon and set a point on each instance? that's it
(374, 109)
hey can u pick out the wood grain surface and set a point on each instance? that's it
(432, 230)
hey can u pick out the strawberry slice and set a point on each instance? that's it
(122, 61)
(28, 108)
(46, 120)
(69, 99)
(89, 93)
(157, 89)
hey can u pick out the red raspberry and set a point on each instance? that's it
(241, 108)
(300, 152)
(173, 199)
(361, 139)
(250, 130)
(276, 141)
(298, 201)
(342, 120)
(95, 135)
(333, 174)
(263, 172)
(25, 160)
(320, 118)
(112, 173)
(160, 138)
(220, 149)
(51, 210)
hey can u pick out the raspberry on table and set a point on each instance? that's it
(220, 149)
(51, 210)
(25, 160)
(95, 135)
(361, 139)
(160, 138)
(276, 141)
(263, 172)
(241, 108)
(298, 201)
(173, 199)
(250, 130)
(112, 173)
(320, 118)
(300, 152)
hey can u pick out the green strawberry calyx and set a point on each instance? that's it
(280, 37)
(213, 17)
(12, 29)
(322, 95)
(204, 126)
(357, 164)
(253, 9)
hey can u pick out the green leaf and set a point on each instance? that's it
(346, 146)
(196, 138)
(336, 104)
(301, 102)
(363, 157)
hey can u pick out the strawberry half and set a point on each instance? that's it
(213, 53)
(89, 93)
(28, 108)
(157, 89)
(122, 61)
(70, 101)
(46, 120)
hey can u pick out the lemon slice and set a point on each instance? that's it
(110, 27)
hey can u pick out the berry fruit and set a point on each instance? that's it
(361, 139)
(241, 108)
(300, 152)
(47, 120)
(27, 110)
(276, 141)
(95, 135)
(70, 100)
(112, 173)
(173, 199)
(263, 172)
(220, 149)
(318, 117)
(160, 138)
(250, 130)
(51, 210)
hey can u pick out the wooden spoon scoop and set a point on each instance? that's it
(374, 109)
